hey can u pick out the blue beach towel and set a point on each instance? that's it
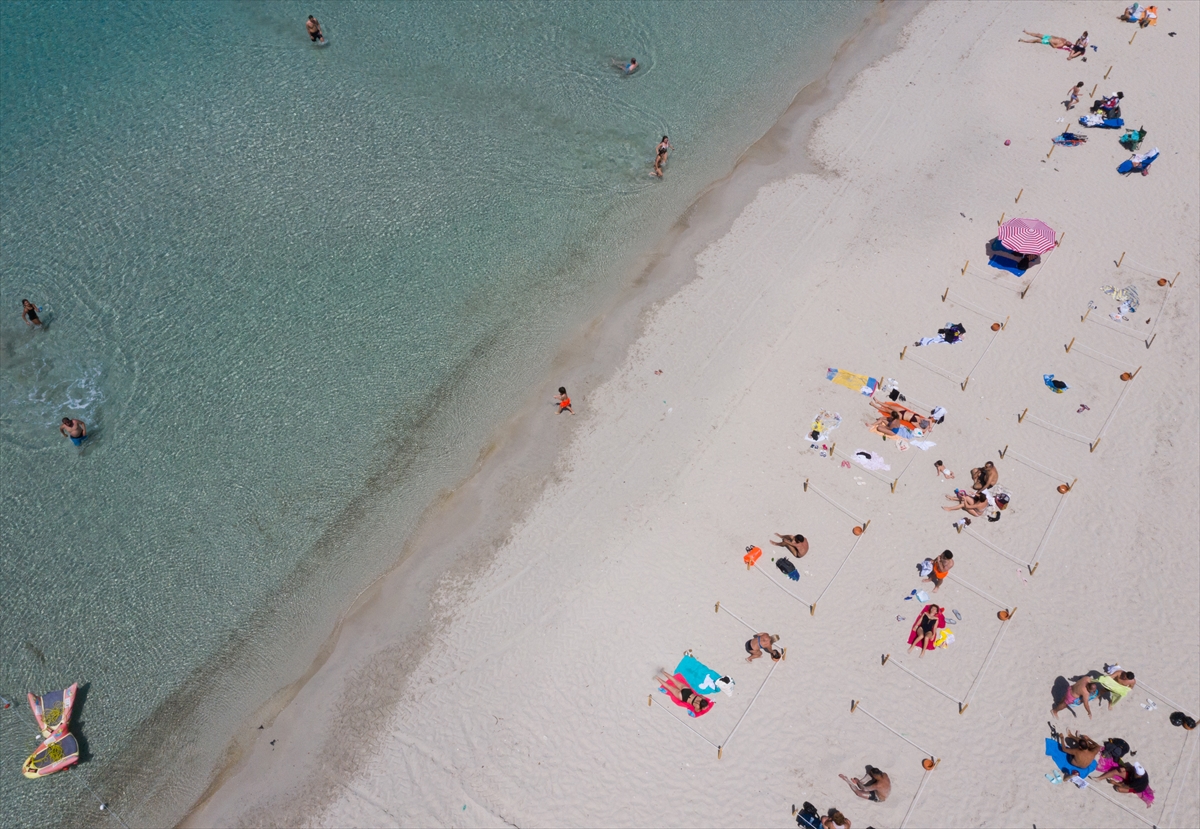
(1006, 265)
(702, 678)
(1061, 760)
(1056, 386)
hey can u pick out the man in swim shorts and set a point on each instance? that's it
(314, 29)
(76, 430)
(875, 786)
(1080, 690)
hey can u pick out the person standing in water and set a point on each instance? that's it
(76, 430)
(660, 157)
(30, 315)
(314, 29)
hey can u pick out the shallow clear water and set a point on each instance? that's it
(280, 282)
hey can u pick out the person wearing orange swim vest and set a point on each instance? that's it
(564, 402)
(941, 568)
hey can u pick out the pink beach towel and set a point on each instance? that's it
(912, 634)
(691, 711)
(1107, 764)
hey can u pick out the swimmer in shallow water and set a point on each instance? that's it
(660, 156)
(628, 67)
(314, 29)
(30, 315)
(76, 430)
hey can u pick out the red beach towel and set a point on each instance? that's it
(912, 634)
(691, 711)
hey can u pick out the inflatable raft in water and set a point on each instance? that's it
(59, 749)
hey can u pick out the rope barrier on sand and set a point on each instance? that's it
(857, 539)
(739, 618)
(980, 360)
(1058, 476)
(766, 575)
(721, 747)
(1144, 820)
(1054, 427)
(990, 545)
(857, 706)
(685, 725)
(987, 661)
(1049, 529)
(932, 367)
(1173, 704)
(970, 306)
(1111, 415)
(813, 487)
(913, 804)
(900, 665)
(972, 587)
(1116, 361)
(1186, 771)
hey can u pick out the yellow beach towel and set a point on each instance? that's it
(1118, 690)
(858, 382)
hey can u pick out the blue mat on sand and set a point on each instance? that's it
(702, 678)
(1061, 760)
(1006, 265)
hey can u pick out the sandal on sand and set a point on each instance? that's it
(957, 615)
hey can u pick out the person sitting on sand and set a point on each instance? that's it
(762, 642)
(985, 477)
(972, 503)
(875, 786)
(1079, 47)
(796, 544)
(1107, 105)
(1083, 689)
(951, 334)
(926, 628)
(835, 820)
(1128, 778)
(682, 692)
(1080, 749)
(1053, 41)
(941, 568)
(1131, 14)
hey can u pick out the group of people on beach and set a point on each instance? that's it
(1078, 48)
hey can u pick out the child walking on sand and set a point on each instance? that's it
(564, 402)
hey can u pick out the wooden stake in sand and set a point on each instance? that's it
(1004, 451)
(902, 352)
(1001, 219)
(1085, 314)
(1052, 146)
(964, 270)
(1094, 88)
(1106, 74)
(1134, 35)
(947, 293)
(1018, 198)
(1022, 415)
(1071, 343)
(1122, 259)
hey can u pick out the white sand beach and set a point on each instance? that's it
(533, 701)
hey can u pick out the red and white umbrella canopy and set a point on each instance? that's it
(1027, 236)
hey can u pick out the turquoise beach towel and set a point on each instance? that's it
(702, 678)
(1060, 759)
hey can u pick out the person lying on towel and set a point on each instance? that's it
(1082, 689)
(680, 691)
(925, 629)
(952, 333)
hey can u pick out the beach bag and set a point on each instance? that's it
(925, 568)
(1115, 748)
(787, 568)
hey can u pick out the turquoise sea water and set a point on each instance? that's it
(279, 283)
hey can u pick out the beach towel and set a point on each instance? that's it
(1107, 764)
(1056, 386)
(912, 634)
(1069, 139)
(1101, 122)
(1117, 690)
(857, 382)
(869, 460)
(923, 445)
(944, 638)
(691, 711)
(1003, 264)
(1063, 762)
(1127, 298)
(698, 676)
(824, 423)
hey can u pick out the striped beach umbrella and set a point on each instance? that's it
(1027, 236)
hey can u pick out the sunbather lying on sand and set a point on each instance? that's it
(1081, 750)
(1081, 689)
(899, 422)
(682, 692)
(796, 544)
(972, 503)
(1053, 41)
(926, 628)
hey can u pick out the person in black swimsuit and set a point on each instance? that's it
(29, 314)
(926, 627)
(660, 157)
(762, 642)
(680, 690)
(1133, 778)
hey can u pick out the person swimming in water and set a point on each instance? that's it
(29, 313)
(76, 430)
(628, 67)
(314, 29)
